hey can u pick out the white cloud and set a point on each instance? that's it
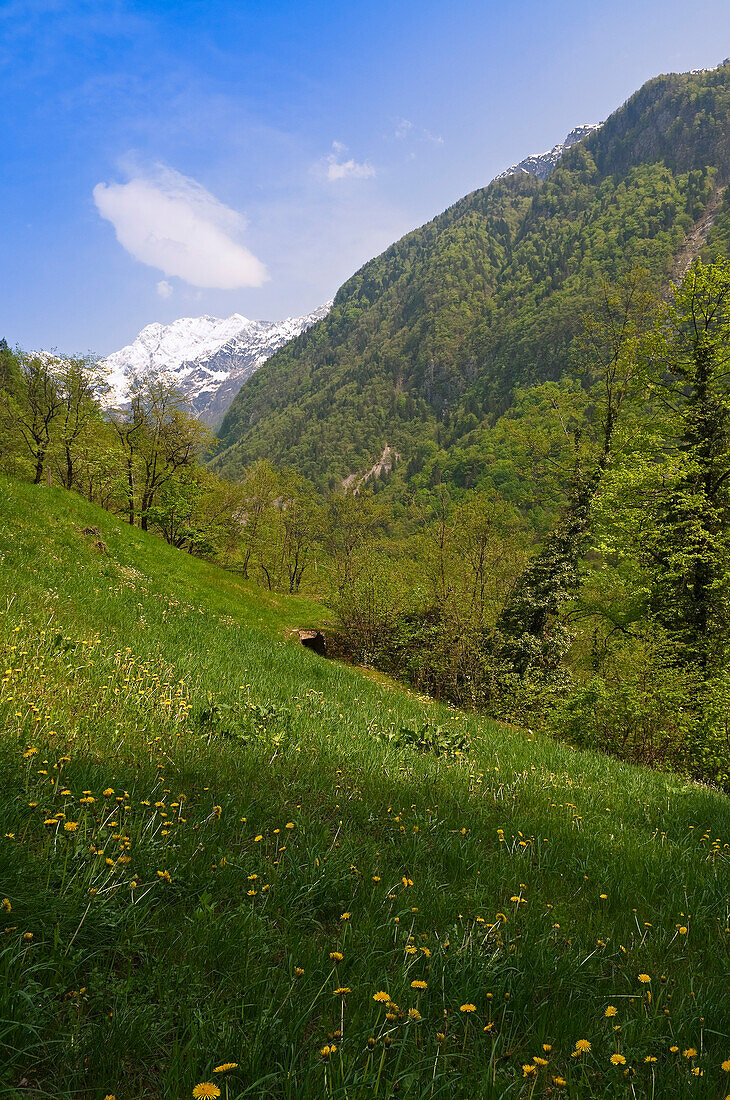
(171, 222)
(339, 169)
(164, 289)
(405, 129)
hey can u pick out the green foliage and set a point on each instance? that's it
(521, 876)
(426, 343)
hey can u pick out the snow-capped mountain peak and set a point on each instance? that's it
(207, 358)
(542, 164)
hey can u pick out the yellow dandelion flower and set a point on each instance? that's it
(206, 1090)
(6, 905)
(341, 990)
(418, 984)
(618, 1060)
(690, 1052)
(467, 1008)
(650, 1058)
(108, 792)
(559, 1082)
(336, 956)
(611, 1011)
(726, 1065)
(225, 1067)
(345, 916)
(644, 978)
(547, 1047)
(683, 929)
(528, 1069)
(414, 1014)
(298, 971)
(583, 1046)
(381, 997)
(540, 1061)
(70, 826)
(674, 1049)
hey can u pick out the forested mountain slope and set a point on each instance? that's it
(427, 341)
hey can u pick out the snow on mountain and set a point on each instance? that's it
(207, 358)
(542, 164)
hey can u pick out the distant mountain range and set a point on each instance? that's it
(207, 358)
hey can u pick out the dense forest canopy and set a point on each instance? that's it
(427, 343)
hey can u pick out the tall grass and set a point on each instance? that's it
(217, 848)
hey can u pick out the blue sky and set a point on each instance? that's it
(164, 159)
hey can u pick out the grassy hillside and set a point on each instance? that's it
(426, 342)
(218, 848)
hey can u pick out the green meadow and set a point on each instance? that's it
(218, 849)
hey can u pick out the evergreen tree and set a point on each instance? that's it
(690, 367)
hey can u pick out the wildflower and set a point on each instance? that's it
(382, 997)
(611, 1011)
(726, 1065)
(70, 826)
(108, 792)
(298, 971)
(528, 1069)
(345, 916)
(468, 1008)
(341, 990)
(690, 1052)
(547, 1047)
(328, 1051)
(674, 1049)
(583, 1046)
(27, 936)
(644, 978)
(440, 1037)
(683, 930)
(258, 838)
(414, 1014)
(206, 1090)
(225, 1067)
(540, 1061)
(336, 956)
(164, 875)
(559, 1081)
(418, 984)
(698, 1072)
(650, 1058)
(6, 905)
(618, 1060)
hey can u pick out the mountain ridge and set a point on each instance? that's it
(426, 343)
